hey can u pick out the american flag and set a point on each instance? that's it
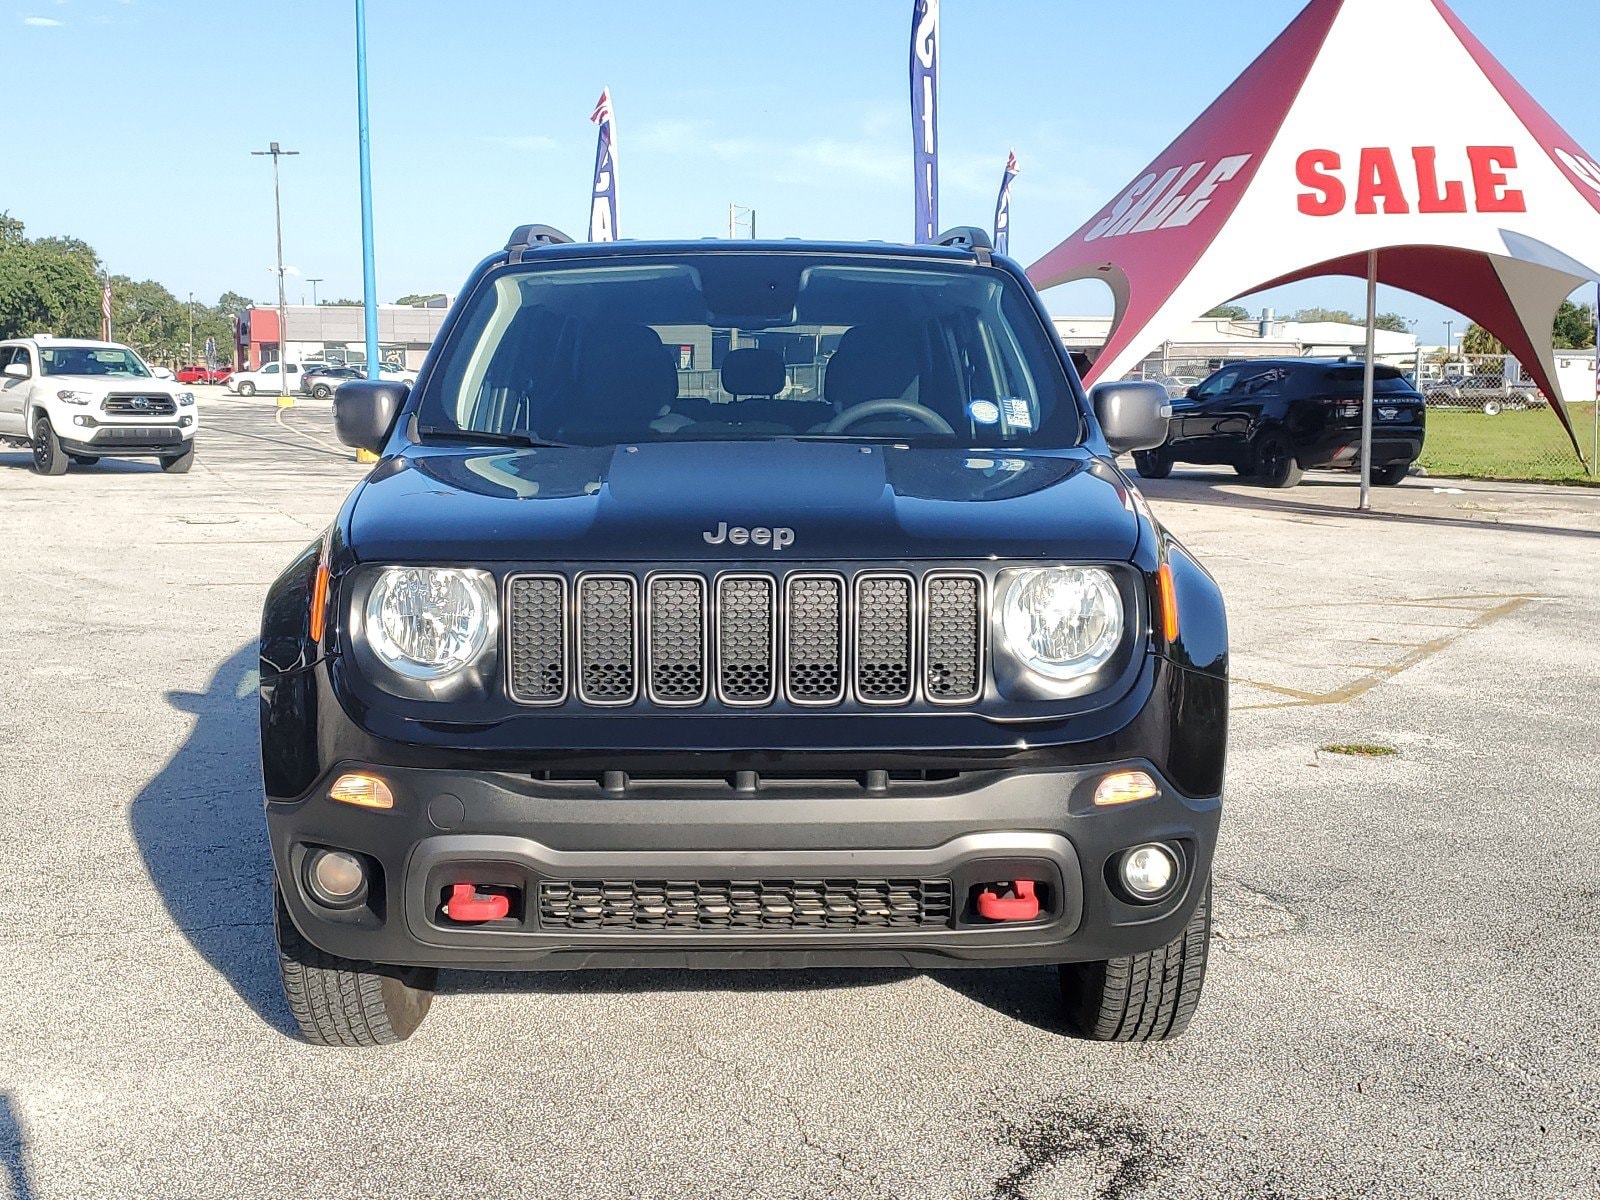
(105, 311)
(602, 110)
(1011, 163)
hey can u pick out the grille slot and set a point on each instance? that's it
(676, 638)
(537, 616)
(952, 658)
(883, 667)
(814, 639)
(607, 640)
(746, 639)
(140, 406)
(744, 905)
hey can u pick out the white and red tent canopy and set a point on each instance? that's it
(1470, 191)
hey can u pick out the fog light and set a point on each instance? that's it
(364, 791)
(1125, 787)
(80, 420)
(1148, 872)
(336, 877)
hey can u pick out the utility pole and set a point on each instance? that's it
(284, 399)
(1449, 347)
(313, 283)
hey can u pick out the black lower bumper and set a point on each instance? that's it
(520, 833)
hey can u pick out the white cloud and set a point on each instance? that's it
(42, 22)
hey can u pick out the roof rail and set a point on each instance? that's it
(527, 237)
(966, 237)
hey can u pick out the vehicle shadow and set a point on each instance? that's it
(22, 460)
(200, 828)
(1336, 498)
(13, 1152)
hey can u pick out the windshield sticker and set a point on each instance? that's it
(984, 412)
(1019, 413)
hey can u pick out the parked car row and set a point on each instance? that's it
(1489, 394)
(319, 380)
(199, 373)
(1274, 419)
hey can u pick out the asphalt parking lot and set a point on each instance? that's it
(1402, 1001)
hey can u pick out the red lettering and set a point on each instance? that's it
(1452, 199)
(1380, 180)
(1489, 167)
(1327, 196)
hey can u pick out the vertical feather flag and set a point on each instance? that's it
(105, 310)
(603, 197)
(1002, 209)
(925, 115)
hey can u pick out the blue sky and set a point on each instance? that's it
(131, 121)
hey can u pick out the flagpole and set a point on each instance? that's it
(1369, 381)
(369, 270)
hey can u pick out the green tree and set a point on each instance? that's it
(1574, 327)
(1337, 315)
(342, 303)
(1479, 340)
(1223, 312)
(46, 286)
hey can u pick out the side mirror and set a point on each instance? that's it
(364, 411)
(1194, 392)
(1133, 416)
(16, 370)
(161, 373)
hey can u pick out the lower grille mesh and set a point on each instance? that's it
(744, 905)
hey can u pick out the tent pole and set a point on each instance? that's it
(1369, 381)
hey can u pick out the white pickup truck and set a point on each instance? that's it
(77, 401)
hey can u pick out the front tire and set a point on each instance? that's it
(179, 464)
(343, 1002)
(1153, 464)
(247, 388)
(48, 457)
(1143, 997)
(1275, 463)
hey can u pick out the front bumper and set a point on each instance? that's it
(112, 440)
(519, 832)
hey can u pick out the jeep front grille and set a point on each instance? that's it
(744, 905)
(745, 639)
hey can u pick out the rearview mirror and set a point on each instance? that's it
(364, 411)
(162, 373)
(1133, 416)
(1193, 393)
(16, 370)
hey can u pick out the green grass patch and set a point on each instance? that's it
(1529, 444)
(1361, 750)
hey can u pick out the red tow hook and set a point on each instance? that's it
(1014, 901)
(467, 906)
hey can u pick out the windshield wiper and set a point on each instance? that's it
(489, 438)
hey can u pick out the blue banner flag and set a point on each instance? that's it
(1002, 209)
(925, 115)
(603, 199)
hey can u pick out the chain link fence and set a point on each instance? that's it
(1486, 418)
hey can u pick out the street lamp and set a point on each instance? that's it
(284, 399)
(313, 283)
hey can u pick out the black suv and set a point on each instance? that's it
(744, 605)
(1274, 419)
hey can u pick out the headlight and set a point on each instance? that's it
(185, 398)
(1062, 622)
(429, 622)
(71, 397)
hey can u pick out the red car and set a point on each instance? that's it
(197, 374)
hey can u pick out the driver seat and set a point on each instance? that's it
(878, 361)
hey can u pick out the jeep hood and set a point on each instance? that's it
(657, 502)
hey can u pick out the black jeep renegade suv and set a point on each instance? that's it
(744, 605)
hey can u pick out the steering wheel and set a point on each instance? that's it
(885, 408)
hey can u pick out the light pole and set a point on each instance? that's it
(1449, 344)
(369, 271)
(284, 399)
(313, 283)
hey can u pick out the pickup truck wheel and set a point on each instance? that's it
(1144, 997)
(1275, 463)
(179, 464)
(1391, 475)
(342, 1002)
(247, 388)
(1153, 464)
(85, 460)
(1493, 408)
(48, 457)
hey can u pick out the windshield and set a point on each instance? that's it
(752, 346)
(112, 361)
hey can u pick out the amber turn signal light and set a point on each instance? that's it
(1169, 603)
(1124, 788)
(364, 791)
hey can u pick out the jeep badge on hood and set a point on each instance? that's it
(738, 535)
